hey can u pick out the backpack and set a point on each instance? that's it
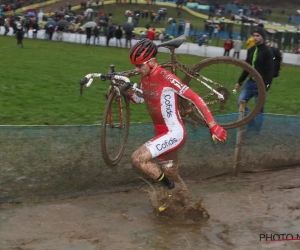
(277, 61)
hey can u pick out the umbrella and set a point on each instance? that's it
(59, 13)
(50, 25)
(127, 27)
(80, 17)
(90, 24)
(3, 15)
(31, 14)
(89, 10)
(270, 31)
(62, 23)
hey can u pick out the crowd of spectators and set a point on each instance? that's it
(9, 6)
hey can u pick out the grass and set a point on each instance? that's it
(39, 84)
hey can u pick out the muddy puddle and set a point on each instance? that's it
(242, 211)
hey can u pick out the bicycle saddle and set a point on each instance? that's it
(175, 43)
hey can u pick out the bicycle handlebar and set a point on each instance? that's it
(88, 79)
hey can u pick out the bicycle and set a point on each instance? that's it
(213, 92)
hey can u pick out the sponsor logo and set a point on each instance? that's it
(168, 105)
(150, 93)
(166, 144)
(177, 83)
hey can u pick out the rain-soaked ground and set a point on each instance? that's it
(243, 211)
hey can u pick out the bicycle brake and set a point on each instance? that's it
(82, 82)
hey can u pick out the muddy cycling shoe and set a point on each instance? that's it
(176, 196)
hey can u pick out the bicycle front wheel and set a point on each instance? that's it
(194, 38)
(115, 127)
(224, 73)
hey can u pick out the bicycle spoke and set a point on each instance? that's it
(222, 74)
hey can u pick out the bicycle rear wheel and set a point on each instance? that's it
(194, 38)
(115, 127)
(225, 71)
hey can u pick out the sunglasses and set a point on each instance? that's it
(141, 65)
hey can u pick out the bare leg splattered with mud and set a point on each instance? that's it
(174, 200)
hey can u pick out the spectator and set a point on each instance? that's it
(35, 28)
(128, 37)
(19, 35)
(260, 57)
(119, 35)
(151, 34)
(161, 37)
(228, 45)
(27, 26)
(6, 26)
(49, 32)
(237, 46)
(88, 32)
(96, 32)
(110, 32)
(180, 28)
(216, 31)
(173, 27)
(202, 40)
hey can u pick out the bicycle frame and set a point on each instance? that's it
(216, 92)
(174, 64)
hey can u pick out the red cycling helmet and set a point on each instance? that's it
(142, 51)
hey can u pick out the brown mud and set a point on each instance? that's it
(240, 208)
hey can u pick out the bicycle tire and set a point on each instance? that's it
(228, 62)
(194, 38)
(115, 128)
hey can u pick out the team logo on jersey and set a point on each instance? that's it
(168, 105)
(166, 144)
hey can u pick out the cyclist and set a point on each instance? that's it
(160, 90)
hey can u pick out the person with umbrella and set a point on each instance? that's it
(128, 28)
(88, 30)
(50, 28)
(110, 32)
(61, 25)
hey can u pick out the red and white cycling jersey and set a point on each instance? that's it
(160, 92)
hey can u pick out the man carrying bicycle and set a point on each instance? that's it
(160, 90)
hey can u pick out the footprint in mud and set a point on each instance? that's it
(179, 206)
